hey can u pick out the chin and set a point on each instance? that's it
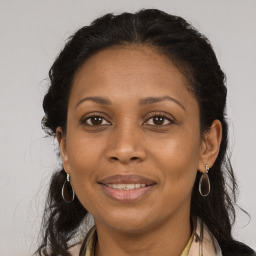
(130, 221)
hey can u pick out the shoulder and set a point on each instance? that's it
(75, 249)
(212, 246)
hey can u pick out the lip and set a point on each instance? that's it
(126, 196)
(127, 179)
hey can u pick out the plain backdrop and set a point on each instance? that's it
(31, 35)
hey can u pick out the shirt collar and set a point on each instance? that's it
(201, 243)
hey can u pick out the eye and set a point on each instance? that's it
(159, 120)
(95, 120)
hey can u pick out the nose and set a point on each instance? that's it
(126, 146)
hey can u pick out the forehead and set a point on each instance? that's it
(129, 72)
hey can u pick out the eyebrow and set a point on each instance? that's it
(152, 100)
(99, 100)
(144, 101)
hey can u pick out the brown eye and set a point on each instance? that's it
(158, 120)
(96, 121)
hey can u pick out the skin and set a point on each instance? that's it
(130, 141)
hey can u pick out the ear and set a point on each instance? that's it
(210, 146)
(61, 137)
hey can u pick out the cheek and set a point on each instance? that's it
(178, 160)
(83, 159)
(83, 152)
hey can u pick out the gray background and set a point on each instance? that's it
(33, 32)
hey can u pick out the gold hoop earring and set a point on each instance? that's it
(204, 183)
(67, 191)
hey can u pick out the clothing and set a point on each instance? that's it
(202, 242)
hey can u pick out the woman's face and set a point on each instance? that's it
(132, 144)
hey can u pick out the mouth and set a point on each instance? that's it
(126, 188)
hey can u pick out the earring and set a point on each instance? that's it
(67, 192)
(204, 183)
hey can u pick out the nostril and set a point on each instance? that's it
(114, 158)
(131, 159)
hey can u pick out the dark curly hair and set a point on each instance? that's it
(192, 53)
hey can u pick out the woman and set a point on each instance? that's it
(137, 103)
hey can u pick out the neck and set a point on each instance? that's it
(168, 238)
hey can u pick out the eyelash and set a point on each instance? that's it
(149, 117)
(160, 115)
(98, 115)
